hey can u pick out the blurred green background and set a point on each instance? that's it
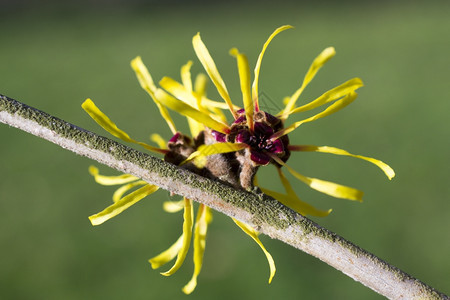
(53, 55)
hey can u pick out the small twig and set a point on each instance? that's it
(258, 210)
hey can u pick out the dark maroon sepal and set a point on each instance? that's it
(259, 157)
(175, 137)
(243, 137)
(220, 137)
(277, 147)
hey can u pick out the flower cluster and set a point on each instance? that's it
(232, 152)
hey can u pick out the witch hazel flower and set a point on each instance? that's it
(230, 152)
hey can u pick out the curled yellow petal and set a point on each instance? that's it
(178, 90)
(187, 235)
(189, 111)
(110, 180)
(254, 235)
(167, 255)
(326, 187)
(292, 201)
(183, 94)
(296, 204)
(121, 205)
(258, 64)
(173, 206)
(101, 119)
(217, 148)
(331, 95)
(200, 84)
(244, 76)
(146, 82)
(336, 106)
(156, 138)
(318, 62)
(200, 230)
(333, 150)
(210, 68)
(125, 188)
(186, 76)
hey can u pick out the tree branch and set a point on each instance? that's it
(260, 211)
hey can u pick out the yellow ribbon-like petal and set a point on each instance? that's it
(101, 119)
(156, 138)
(326, 187)
(331, 95)
(200, 230)
(258, 63)
(217, 148)
(244, 76)
(146, 82)
(333, 150)
(121, 205)
(318, 62)
(178, 90)
(183, 94)
(167, 255)
(254, 235)
(208, 102)
(186, 76)
(292, 201)
(173, 206)
(187, 235)
(296, 204)
(336, 106)
(210, 67)
(110, 180)
(125, 188)
(200, 84)
(189, 111)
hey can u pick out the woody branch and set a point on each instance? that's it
(260, 211)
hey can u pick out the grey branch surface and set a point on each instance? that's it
(262, 212)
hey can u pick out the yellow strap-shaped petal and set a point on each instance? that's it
(156, 138)
(254, 235)
(173, 206)
(121, 205)
(258, 63)
(200, 230)
(125, 188)
(186, 76)
(167, 255)
(208, 102)
(143, 75)
(187, 235)
(326, 149)
(200, 84)
(110, 180)
(296, 204)
(146, 82)
(318, 62)
(101, 119)
(179, 91)
(292, 201)
(331, 95)
(183, 94)
(244, 76)
(210, 68)
(217, 148)
(189, 111)
(326, 187)
(336, 106)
